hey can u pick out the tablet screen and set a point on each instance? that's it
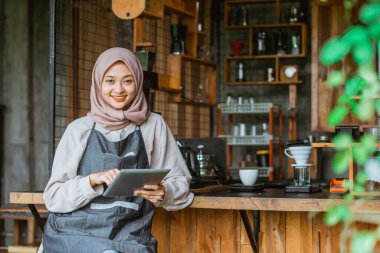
(129, 180)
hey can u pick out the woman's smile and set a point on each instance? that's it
(119, 98)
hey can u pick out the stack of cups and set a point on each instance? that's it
(300, 154)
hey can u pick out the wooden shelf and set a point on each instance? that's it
(269, 26)
(322, 145)
(198, 60)
(358, 97)
(262, 83)
(145, 44)
(331, 145)
(202, 33)
(178, 9)
(188, 102)
(249, 1)
(264, 56)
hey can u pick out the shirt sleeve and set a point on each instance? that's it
(66, 191)
(166, 154)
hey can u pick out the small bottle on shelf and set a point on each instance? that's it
(242, 162)
(270, 77)
(280, 47)
(240, 76)
(243, 16)
(249, 161)
(296, 44)
(261, 43)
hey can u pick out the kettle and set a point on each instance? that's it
(190, 158)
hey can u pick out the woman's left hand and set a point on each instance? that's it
(153, 193)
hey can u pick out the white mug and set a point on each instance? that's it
(248, 176)
(300, 154)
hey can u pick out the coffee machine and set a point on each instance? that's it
(206, 159)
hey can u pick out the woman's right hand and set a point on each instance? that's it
(103, 177)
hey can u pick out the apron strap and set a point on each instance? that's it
(89, 137)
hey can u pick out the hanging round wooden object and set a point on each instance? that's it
(128, 9)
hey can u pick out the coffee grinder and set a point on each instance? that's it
(178, 33)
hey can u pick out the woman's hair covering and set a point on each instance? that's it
(101, 112)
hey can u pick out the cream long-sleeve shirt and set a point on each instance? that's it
(66, 191)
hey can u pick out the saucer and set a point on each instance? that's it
(302, 165)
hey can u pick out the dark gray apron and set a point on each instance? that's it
(121, 224)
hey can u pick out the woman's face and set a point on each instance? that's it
(118, 86)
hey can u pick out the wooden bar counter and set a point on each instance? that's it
(213, 223)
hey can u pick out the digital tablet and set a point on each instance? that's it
(129, 180)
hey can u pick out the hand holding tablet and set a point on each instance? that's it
(129, 180)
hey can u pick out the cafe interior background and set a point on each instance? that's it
(212, 60)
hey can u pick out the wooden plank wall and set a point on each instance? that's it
(222, 231)
(328, 21)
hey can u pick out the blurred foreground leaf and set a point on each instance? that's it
(337, 115)
(342, 141)
(369, 13)
(333, 51)
(360, 154)
(335, 78)
(363, 242)
(340, 161)
(365, 109)
(337, 214)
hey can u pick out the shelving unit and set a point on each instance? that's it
(270, 140)
(175, 77)
(257, 64)
(352, 168)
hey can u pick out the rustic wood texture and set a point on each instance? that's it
(269, 200)
(128, 9)
(328, 21)
(212, 229)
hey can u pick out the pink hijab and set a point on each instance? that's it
(103, 114)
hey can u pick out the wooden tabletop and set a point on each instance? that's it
(26, 198)
(267, 200)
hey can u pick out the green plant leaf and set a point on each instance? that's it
(363, 242)
(367, 72)
(358, 188)
(361, 177)
(342, 141)
(365, 109)
(359, 154)
(354, 86)
(377, 104)
(349, 197)
(344, 99)
(374, 31)
(335, 78)
(363, 52)
(333, 51)
(340, 161)
(369, 13)
(337, 214)
(337, 115)
(368, 142)
(355, 35)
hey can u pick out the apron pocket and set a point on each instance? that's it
(68, 223)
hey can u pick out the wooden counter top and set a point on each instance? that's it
(268, 200)
(277, 200)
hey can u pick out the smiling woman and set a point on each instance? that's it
(118, 133)
(118, 86)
